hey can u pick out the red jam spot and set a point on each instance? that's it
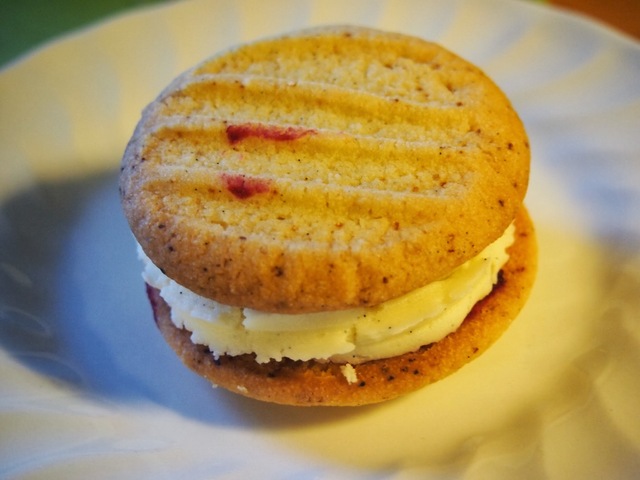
(237, 133)
(153, 296)
(244, 187)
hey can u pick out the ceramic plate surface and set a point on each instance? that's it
(88, 389)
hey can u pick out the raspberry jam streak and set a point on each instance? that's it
(237, 133)
(244, 187)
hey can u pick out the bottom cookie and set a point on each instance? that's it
(314, 383)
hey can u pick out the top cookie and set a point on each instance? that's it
(326, 169)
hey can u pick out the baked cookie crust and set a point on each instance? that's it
(312, 171)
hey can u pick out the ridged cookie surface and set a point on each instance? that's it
(325, 169)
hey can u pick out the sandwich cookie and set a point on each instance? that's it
(295, 188)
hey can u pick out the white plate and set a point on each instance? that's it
(88, 389)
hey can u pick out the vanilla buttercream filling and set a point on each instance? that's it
(398, 326)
